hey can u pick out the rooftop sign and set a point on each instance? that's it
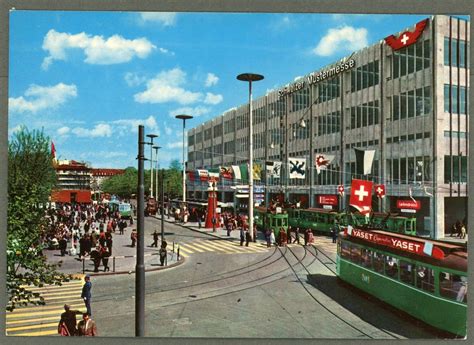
(314, 78)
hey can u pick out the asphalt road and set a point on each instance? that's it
(263, 294)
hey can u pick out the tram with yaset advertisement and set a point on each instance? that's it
(424, 278)
(276, 220)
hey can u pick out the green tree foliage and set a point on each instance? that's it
(123, 185)
(31, 177)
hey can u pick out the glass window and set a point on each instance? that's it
(447, 169)
(359, 117)
(353, 80)
(391, 267)
(411, 59)
(396, 108)
(446, 51)
(462, 54)
(396, 63)
(396, 172)
(365, 75)
(419, 102)
(371, 73)
(411, 103)
(364, 115)
(403, 106)
(427, 102)
(378, 262)
(454, 52)
(403, 62)
(455, 98)
(366, 258)
(425, 278)
(463, 169)
(427, 53)
(446, 97)
(407, 272)
(356, 254)
(376, 72)
(463, 92)
(453, 287)
(345, 250)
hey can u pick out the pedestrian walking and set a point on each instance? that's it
(133, 237)
(155, 239)
(242, 236)
(68, 324)
(288, 235)
(105, 254)
(86, 293)
(87, 326)
(268, 238)
(63, 245)
(297, 235)
(463, 231)
(272, 238)
(248, 238)
(162, 255)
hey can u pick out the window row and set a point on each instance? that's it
(259, 140)
(366, 114)
(412, 58)
(327, 149)
(412, 103)
(451, 286)
(229, 126)
(330, 123)
(457, 51)
(408, 170)
(218, 130)
(242, 145)
(455, 169)
(277, 108)
(455, 134)
(455, 106)
(354, 171)
(365, 76)
(229, 147)
(300, 99)
(243, 121)
(408, 137)
(328, 89)
(259, 115)
(363, 144)
(208, 134)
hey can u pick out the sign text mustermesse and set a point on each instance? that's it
(314, 78)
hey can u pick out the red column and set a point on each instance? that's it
(211, 206)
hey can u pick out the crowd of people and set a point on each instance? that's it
(87, 228)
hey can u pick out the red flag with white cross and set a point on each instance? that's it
(361, 195)
(340, 189)
(407, 38)
(380, 190)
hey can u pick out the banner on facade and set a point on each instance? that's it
(257, 171)
(226, 172)
(322, 161)
(274, 169)
(361, 196)
(297, 167)
(364, 160)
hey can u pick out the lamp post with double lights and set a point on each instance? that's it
(184, 118)
(250, 77)
(151, 136)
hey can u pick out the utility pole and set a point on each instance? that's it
(140, 267)
(162, 197)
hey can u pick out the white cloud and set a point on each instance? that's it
(165, 51)
(164, 18)
(168, 130)
(344, 38)
(42, 97)
(165, 87)
(63, 130)
(197, 111)
(175, 145)
(99, 51)
(212, 98)
(134, 79)
(15, 129)
(125, 126)
(100, 130)
(211, 79)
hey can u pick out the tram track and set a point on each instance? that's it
(315, 255)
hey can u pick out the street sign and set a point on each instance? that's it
(409, 204)
(328, 200)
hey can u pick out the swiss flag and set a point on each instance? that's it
(379, 190)
(53, 150)
(340, 189)
(361, 195)
(407, 38)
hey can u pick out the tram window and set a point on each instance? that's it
(425, 278)
(453, 286)
(407, 272)
(366, 258)
(391, 267)
(356, 254)
(345, 250)
(378, 262)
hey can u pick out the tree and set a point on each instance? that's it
(31, 177)
(123, 185)
(174, 179)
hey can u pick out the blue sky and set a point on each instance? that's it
(89, 78)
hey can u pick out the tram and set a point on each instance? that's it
(266, 219)
(322, 220)
(424, 278)
(124, 209)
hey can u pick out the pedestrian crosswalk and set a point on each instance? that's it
(219, 247)
(43, 320)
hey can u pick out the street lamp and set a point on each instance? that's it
(250, 77)
(151, 136)
(184, 118)
(156, 172)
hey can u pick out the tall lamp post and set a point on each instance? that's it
(184, 118)
(250, 77)
(156, 172)
(151, 136)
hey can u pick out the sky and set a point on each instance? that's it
(88, 79)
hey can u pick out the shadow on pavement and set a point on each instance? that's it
(372, 310)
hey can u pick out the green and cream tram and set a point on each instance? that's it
(271, 220)
(424, 278)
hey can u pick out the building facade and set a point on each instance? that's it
(73, 182)
(410, 105)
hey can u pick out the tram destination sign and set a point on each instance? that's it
(424, 248)
(409, 204)
(315, 78)
(328, 200)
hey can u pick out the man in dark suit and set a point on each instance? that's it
(86, 293)
(67, 324)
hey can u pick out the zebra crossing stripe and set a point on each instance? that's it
(36, 334)
(43, 325)
(238, 247)
(251, 247)
(205, 246)
(17, 322)
(224, 247)
(57, 310)
(194, 248)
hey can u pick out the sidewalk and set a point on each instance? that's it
(122, 260)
